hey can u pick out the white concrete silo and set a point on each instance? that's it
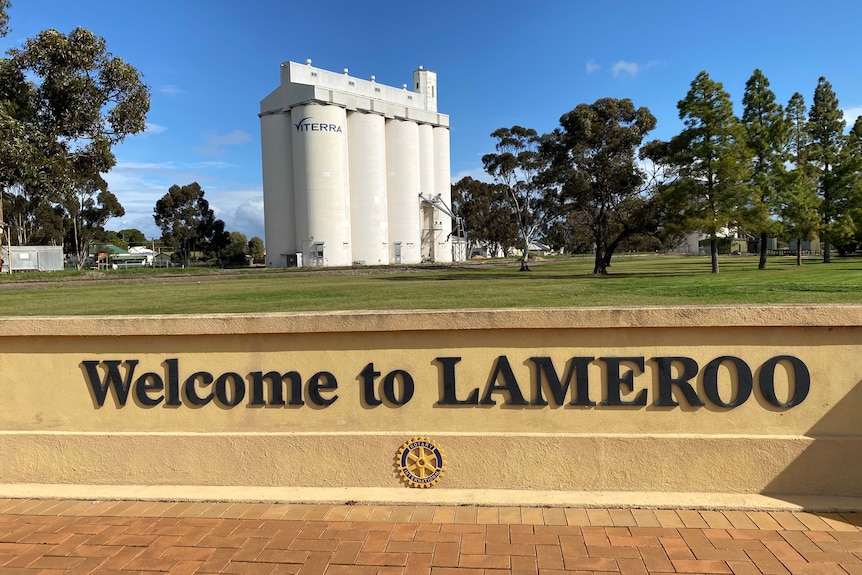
(369, 228)
(278, 204)
(321, 184)
(402, 187)
(426, 188)
(364, 174)
(443, 193)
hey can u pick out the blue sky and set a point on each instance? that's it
(499, 63)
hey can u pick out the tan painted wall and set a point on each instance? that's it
(53, 432)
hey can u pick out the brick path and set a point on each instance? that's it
(51, 537)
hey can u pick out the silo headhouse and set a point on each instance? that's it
(354, 172)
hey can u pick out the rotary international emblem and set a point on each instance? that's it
(421, 463)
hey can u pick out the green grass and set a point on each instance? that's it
(558, 282)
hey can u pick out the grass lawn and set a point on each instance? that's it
(559, 282)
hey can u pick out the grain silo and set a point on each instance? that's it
(354, 172)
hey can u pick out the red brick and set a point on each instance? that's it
(445, 555)
(549, 557)
(381, 559)
(698, 566)
(589, 564)
(522, 565)
(418, 563)
(484, 561)
(805, 568)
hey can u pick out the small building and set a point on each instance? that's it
(32, 258)
(109, 256)
(727, 246)
(690, 244)
(161, 260)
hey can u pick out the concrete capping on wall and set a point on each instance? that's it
(803, 315)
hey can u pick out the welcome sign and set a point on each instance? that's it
(674, 377)
(744, 400)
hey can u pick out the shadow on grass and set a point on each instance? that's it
(534, 275)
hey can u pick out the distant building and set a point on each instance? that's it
(354, 172)
(32, 258)
(109, 256)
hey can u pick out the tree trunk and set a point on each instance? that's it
(827, 252)
(713, 253)
(80, 263)
(762, 264)
(798, 251)
(600, 268)
(526, 256)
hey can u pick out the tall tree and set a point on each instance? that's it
(256, 250)
(64, 102)
(849, 182)
(798, 201)
(798, 138)
(237, 248)
(188, 223)
(28, 161)
(708, 162)
(826, 131)
(88, 208)
(766, 135)
(486, 214)
(133, 237)
(217, 241)
(798, 209)
(518, 166)
(4, 17)
(594, 161)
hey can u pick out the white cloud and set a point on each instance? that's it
(624, 68)
(592, 67)
(211, 165)
(631, 69)
(139, 185)
(475, 173)
(154, 129)
(248, 218)
(170, 90)
(146, 166)
(215, 143)
(850, 115)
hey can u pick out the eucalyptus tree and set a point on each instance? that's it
(486, 213)
(88, 209)
(594, 162)
(826, 132)
(133, 237)
(256, 250)
(237, 248)
(188, 223)
(65, 101)
(706, 164)
(766, 136)
(518, 166)
(4, 17)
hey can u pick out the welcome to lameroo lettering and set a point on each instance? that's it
(674, 378)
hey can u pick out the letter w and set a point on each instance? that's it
(112, 379)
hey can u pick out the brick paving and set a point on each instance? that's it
(53, 537)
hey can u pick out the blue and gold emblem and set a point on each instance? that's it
(421, 462)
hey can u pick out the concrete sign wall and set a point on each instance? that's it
(564, 402)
